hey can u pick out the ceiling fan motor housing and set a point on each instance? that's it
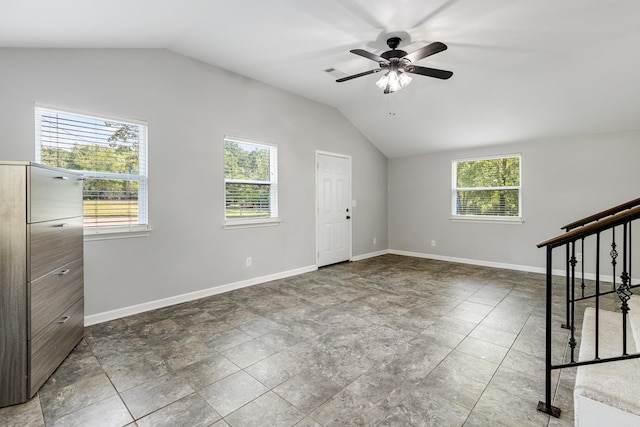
(390, 54)
(393, 43)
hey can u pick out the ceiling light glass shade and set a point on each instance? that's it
(394, 81)
(404, 79)
(384, 80)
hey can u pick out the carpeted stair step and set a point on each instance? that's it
(608, 392)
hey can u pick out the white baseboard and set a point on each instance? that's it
(369, 255)
(483, 263)
(165, 302)
(517, 267)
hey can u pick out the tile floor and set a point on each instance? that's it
(387, 341)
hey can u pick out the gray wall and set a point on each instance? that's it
(562, 180)
(189, 107)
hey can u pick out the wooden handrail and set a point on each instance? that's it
(593, 227)
(603, 214)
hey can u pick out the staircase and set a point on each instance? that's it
(600, 335)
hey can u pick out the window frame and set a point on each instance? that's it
(99, 232)
(485, 218)
(273, 218)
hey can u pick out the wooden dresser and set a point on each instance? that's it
(41, 275)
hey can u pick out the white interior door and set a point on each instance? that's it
(333, 195)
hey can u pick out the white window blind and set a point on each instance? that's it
(251, 181)
(111, 155)
(487, 188)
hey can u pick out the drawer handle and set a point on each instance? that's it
(64, 272)
(64, 224)
(64, 178)
(64, 319)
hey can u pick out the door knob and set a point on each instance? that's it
(348, 217)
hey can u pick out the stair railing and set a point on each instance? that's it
(620, 219)
(580, 223)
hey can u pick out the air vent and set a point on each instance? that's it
(336, 74)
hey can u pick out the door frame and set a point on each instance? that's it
(317, 208)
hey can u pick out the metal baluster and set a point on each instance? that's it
(566, 325)
(582, 286)
(546, 405)
(630, 257)
(614, 255)
(597, 337)
(572, 340)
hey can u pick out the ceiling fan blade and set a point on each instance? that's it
(344, 79)
(430, 72)
(425, 51)
(370, 56)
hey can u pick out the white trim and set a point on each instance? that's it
(272, 183)
(96, 115)
(497, 156)
(483, 263)
(250, 223)
(330, 153)
(142, 177)
(248, 141)
(190, 296)
(317, 208)
(517, 267)
(370, 255)
(455, 189)
(110, 233)
(494, 219)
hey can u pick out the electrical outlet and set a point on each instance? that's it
(249, 261)
(375, 241)
(433, 243)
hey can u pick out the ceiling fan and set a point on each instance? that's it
(399, 64)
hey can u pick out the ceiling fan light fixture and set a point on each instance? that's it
(393, 81)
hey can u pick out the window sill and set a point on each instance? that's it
(109, 233)
(251, 223)
(496, 220)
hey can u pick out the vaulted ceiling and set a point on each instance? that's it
(523, 69)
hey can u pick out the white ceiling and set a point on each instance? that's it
(523, 69)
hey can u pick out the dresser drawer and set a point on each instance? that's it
(54, 293)
(53, 244)
(54, 194)
(52, 344)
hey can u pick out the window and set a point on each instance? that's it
(251, 182)
(111, 155)
(487, 188)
